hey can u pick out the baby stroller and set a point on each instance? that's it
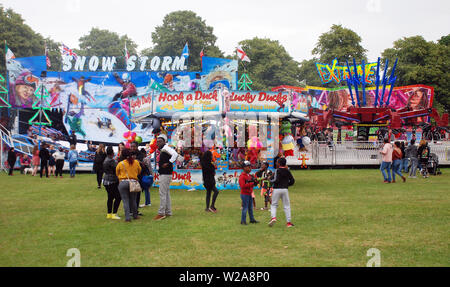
(433, 165)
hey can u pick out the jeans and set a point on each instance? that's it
(414, 164)
(396, 168)
(147, 196)
(247, 204)
(284, 195)
(72, 166)
(386, 166)
(405, 163)
(128, 199)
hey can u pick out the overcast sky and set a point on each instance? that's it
(295, 24)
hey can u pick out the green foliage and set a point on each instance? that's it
(423, 62)
(179, 28)
(341, 43)
(308, 72)
(101, 42)
(270, 64)
(21, 39)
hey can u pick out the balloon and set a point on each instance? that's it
(306, 140)
(127, 144)
(138, 139)
(126, 134)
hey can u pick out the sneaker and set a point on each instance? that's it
(142, 205)
(207, 210)
(148, 204)
(254, 221)
(108, 216)
(289, 224)
(272, 221)
(213, 209)
(159, 217)
(114, 216)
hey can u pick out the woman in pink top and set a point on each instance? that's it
(386, 160)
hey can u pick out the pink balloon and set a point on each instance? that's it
(126, 134)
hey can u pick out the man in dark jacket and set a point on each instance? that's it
(44, 155)
(11, 160)
(281, 179)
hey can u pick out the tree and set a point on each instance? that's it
(341, 43)
(21, 39)
(270, 64)
(308, 72)
(422, 62)
(179, 28)
(101, 42)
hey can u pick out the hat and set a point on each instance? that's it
(163, 136)
(247, 163)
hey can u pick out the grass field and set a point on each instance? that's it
(338, 216)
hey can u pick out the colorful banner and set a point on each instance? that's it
(195, 101)
(96, 104)
(338, 73)
(24, 79)
(253, 101)
(141, 106)
(189, 179)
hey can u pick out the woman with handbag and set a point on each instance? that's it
(127, 171)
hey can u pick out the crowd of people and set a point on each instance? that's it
(47, 159)
(400, 158)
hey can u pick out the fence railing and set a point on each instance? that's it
(355, 153)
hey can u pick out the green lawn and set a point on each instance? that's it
(338, 216)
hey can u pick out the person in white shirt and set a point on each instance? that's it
(59, 158)
(166, 159)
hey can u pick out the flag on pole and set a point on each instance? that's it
(8, 53)
(47, 58)
(69, 52)
(126, 53)
(242, 55)
(185, 52)
(201, 57)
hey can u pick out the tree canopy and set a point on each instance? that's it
(423, 62)
(179, 28)
(270, 65)
(102, 42)
(341, 43)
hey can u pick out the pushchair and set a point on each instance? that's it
(432, 166)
